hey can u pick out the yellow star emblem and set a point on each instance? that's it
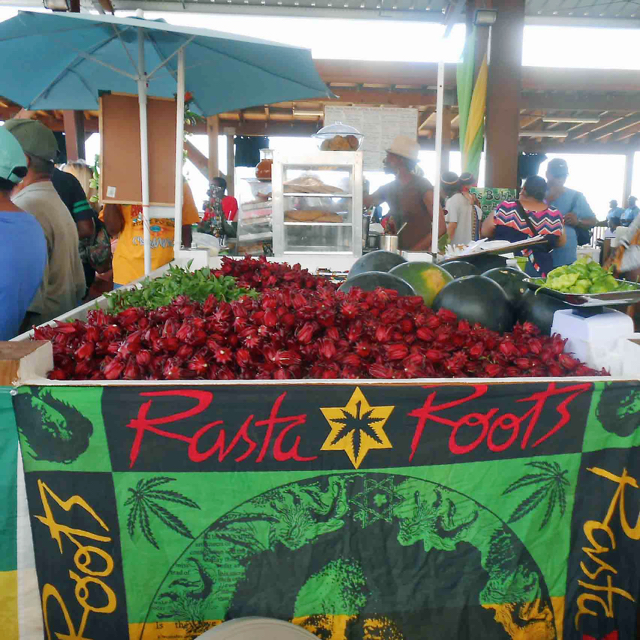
(357, 428)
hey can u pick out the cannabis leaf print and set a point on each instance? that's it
(356, 426)
(146, 500)
(548, 484)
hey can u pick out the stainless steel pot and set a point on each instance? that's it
(389, 243)
(373, 242)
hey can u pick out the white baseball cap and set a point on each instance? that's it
(405, 147)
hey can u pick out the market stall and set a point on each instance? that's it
(373, 508)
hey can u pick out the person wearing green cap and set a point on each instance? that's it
(23, 247)
(64, 284)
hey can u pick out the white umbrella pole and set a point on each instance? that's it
(177, 239)
(144, 153)
(436, 187)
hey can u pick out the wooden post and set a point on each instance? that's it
(74, 135)
(628, 177)
(231, 163)
(446, 139)
(503, 95)
(20, 357)
(213, 131)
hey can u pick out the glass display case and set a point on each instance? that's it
(255, 233)
(317, 203)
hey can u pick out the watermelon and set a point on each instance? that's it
(375, 261)
(512, 282)
(373, 279)
(426, 278)
(539, 309)
(460, 268)
(477, 299)
(485, 261)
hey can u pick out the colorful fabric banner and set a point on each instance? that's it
(354, 510)
(471, 106)
(8, 517)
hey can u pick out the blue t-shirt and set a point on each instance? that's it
(570, 200)
(614, 216)
(629, 216)
(23, 258)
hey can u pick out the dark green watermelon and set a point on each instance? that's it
(512, 282)
(477, 299)
(485, 261)
(460, 268)
(539, 309)
(372, 279)
(375, 261)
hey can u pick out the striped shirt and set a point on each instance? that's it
(513, 227)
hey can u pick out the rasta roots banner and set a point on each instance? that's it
(356, 511)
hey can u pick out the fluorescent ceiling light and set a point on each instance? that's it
(309, 112)
(574, 119)
(544, 134)
(56, 5)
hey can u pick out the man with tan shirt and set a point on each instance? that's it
(63, 285)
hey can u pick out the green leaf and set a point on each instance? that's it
(526, 481)
(145, 525)
(131, 520)
(154, 482)
(172, 521)
(550, 507)
(528, 505)
(545, 466)
(562, 500)
(172, 496)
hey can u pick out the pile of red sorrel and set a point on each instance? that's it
(300, 327)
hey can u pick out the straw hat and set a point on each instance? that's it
(405, 147)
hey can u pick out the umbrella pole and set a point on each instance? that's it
(144, 153)
(177, 240)
(435, 223)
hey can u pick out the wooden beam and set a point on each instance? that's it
(74, 135)
(416, 74)
(213, 131)
(503, 95)
(387, 98)
(574, 102)
(200, 161)
(615, 127)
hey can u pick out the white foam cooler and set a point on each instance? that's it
(593, 335)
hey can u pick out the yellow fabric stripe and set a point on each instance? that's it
(9, 605)
(477, 108)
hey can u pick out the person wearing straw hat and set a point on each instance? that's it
(409, 196)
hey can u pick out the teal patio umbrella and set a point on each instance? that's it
(64, 61)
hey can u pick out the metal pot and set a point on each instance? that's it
(373, 242)
(389, 243)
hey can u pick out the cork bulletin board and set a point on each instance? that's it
(120, 176)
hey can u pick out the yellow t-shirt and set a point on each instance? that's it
(128, 260)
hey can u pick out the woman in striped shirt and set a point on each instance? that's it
(525, 218)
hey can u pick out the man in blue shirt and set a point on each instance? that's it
(574, 208)
(23, 246)
(614, 215)
(630, 212)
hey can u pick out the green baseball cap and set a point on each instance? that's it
(34, 138)
(13, 164)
